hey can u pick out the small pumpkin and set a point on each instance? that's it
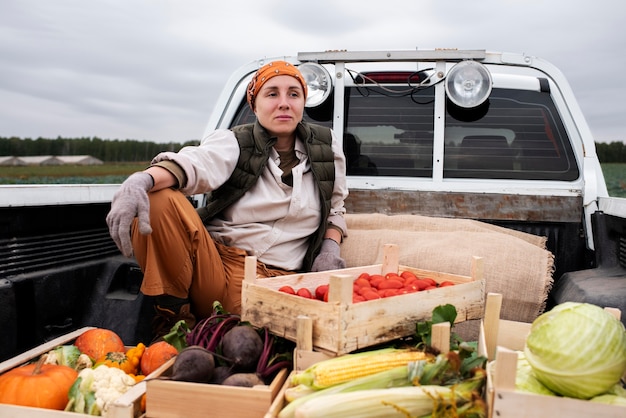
(156, 355)
(128, 361)
(97, 342)
(37, 385)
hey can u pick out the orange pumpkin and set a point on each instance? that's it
(97, 342)
(38, 385)
(156, 355)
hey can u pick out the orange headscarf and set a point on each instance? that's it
(268, 71)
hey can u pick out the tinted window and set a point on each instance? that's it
(387, 134)
(517, 135)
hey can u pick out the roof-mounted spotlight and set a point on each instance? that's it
(318, 82)
(468, 84)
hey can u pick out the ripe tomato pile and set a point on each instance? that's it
(374, 286)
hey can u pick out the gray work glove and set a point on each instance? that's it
(130, 201)
(329, 257)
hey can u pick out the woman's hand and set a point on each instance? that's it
(130, 201)
(329, 257)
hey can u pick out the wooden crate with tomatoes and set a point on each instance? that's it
(346, 318)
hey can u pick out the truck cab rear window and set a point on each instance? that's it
(518, 135)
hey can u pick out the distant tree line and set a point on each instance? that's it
(613, 152)
(133, 150)
(103, 149)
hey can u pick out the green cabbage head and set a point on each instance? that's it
(577, 350)
(525, 379)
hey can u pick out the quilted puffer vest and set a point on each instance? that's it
(255, 143)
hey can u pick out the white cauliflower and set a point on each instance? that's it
(95, 389)
(83, 362)
(68, 355)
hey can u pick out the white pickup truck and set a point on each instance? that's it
(496, 138)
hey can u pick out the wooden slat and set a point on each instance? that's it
(441, 337)
(511, 404)
(513, 334)
(488, 206)
(491, 323)
(39, 350)
(166, 398)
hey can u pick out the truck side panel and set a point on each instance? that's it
(59, 271)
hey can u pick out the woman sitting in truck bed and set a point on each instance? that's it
(277, 190)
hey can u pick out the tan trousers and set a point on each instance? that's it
(179, 258)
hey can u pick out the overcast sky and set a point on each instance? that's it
(152, 70)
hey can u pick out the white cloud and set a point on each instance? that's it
(152, 69)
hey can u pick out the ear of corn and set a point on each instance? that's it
(411, 401)
(462, 400)
(396, 377)
(351, 366)
(296, 392)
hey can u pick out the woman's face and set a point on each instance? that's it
(279, 105)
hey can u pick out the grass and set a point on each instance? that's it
(614, 173)
(615, 178)
(70, 174)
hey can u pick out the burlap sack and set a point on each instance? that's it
(516, 264)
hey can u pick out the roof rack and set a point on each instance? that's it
(382, 56)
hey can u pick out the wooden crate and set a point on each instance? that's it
(304, 357)
(502, 339)
(128, 406)
(169, 399)
(340, 326)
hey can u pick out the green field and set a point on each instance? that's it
(615, 177)
(69, 174)
(614, 173)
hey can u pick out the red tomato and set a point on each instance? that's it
(430, 281)
(446, 283)
(391, 284)
(391, 275)
(364, 275)
(421, 284)
(287, 289)
(364, 289)
(357, 298)
(304, 292)
(371, 295)
(406, 275)
(430, 288)
(410, 288)
(362, 282)
(387, 293)
(320, 291)
(409, 280)
(375, 279)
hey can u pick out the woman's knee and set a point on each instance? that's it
(165, 200)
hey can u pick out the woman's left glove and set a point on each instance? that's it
(130, 201)
(329, 257)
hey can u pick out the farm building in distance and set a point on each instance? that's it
(10, 160)
(49, 160)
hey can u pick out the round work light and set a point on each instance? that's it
(318, 82)
(468, 84)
